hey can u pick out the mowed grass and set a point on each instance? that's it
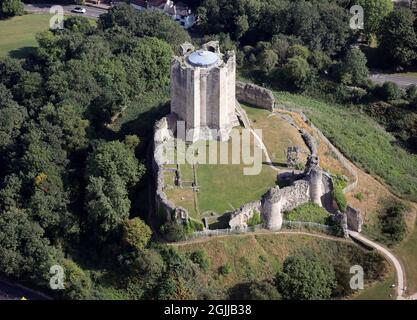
(363, 141)
(18, 34)
(259, 257)
(277, 134)
(407, 251)
(380, 290)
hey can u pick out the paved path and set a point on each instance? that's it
(13, 291)
(402, 81)
(92, 12)
(397, 265)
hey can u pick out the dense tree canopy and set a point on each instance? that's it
(303, 278)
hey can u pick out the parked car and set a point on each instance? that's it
(79, 10)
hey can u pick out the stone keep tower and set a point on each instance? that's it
(203, 91)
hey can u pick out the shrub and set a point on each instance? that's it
(225, 269)
(360, 196)
(305, 278)
(136, 233)
(201, 258)
(392, 224)
(339, 183)
(174, 231)
(309, 212)
(255, 219)
(10, 8)
(388, 91)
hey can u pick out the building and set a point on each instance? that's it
(203, 91)
(177, 11)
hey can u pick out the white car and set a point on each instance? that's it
(79, 10)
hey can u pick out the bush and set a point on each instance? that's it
(392, 224)
(201, 258)
(339, 183)
(360, 196)
(309, 212)
(174, 231)
(388, 91)
(10, 8)
(226, 269)
(305, 278)
(255, 220)
(136, 233)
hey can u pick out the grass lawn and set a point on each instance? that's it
(277, 134)
(222, 187)
(18, 34)
(379, 291)
(259, 257)
(407, 251)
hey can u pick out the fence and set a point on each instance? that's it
(285, 225)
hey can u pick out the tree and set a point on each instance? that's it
(305, 279)
(296, 70)
(353, 69)
(77, 284)
(155, 62)
(24, 251)
(107, 205)
(136, 233)
(267, 60)
(397, 38)
(144, 24)
(375, 11)
(114, 158)
(10, 8)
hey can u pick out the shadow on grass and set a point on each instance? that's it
(22, 53)
(221, 222)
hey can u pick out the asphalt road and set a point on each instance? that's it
(401, 81)
(13, 291)
(91, 12)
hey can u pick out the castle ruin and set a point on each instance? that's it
(203, 91)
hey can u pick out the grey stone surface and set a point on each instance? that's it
(354, 219)
(203, 95)
(255, 95)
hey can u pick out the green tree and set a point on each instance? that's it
(24, 251)
(10, 8)
(155, 57)
(107, 205)
(114, 158)
(77, 283)
(136, 233)
(353, 69)
(375, 11)
(305, 279)
(267, 60)
(296, 70)
(397, 38)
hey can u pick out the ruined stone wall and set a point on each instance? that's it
(354, 219)
(239, 218)
(255, 95)
(164, 130)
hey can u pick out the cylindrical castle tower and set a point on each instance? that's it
(271, 209)
(203, 91)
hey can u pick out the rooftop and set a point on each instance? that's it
(203, 58)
